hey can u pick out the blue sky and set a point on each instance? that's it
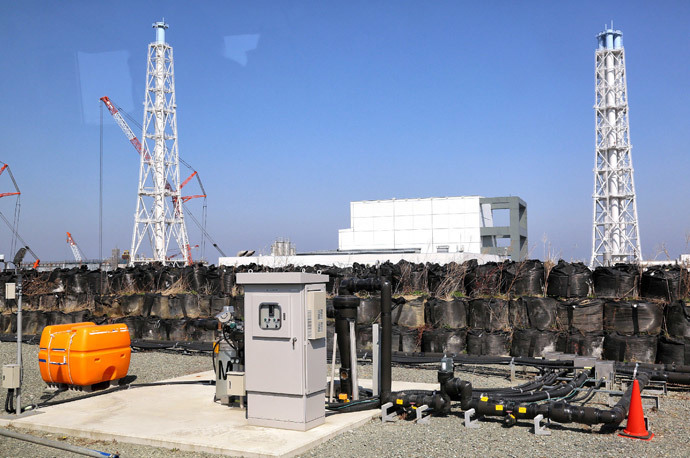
(290, 110)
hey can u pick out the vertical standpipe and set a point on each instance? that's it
(160, 31)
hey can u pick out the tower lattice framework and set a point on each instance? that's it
(615, 230)
(159, 216)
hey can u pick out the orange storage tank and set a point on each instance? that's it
(84, 354)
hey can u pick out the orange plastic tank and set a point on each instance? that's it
(84, 354)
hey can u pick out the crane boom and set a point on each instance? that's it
(75, 249)
(177, 204)
(123, 124)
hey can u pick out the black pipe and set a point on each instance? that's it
(437, 401)
(347, 287)
(345, 311)
(386, 337)
(680, 378)
(559, 411)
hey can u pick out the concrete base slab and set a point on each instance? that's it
(185, 417)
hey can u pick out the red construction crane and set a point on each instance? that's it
(137, 146)
(13, 228)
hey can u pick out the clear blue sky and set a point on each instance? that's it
(290, 110)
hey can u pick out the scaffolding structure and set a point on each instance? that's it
(615, 230)
(159, 216)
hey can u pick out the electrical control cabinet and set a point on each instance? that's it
(10, 376)
(285, 348)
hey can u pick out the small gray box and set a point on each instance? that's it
(10, 376)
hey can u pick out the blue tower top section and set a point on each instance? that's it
(160, 31)
(610, 39)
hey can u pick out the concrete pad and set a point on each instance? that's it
(185, 417)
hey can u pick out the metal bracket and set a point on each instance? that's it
(421, 419)
(540, 430)
(385, 416)
(469, 423)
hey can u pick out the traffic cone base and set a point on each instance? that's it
(636, 427)
(648, 437)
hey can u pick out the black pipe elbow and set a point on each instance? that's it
(458, 390)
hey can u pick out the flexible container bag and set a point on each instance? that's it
(369, 310)
(569, 280)
(487, 343)
(177, 330)
(483, 279)
(135, 325)
(661, 283)
(405, 340)
(446, 314)
(146, 279)
(489, 314)
(619, 281)
(640, 349)
(534, 312)
(8, 323)
(83, 354)
(202, 330)
(582, 315)
(634, 317)
(96, 279)
(678, 319)
(33, 322)
(154, 328)
(532, 342)
(525, 278)
(674, 351)
(450, 341)
(132, 304)
(590, 344)
(410, 314)
(363, 337)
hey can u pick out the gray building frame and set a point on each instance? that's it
(516, 231)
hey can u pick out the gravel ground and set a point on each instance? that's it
(445, 436)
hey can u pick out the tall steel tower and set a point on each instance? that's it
(159, 216)
(615, 232)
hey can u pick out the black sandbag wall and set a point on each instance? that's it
(494, 308)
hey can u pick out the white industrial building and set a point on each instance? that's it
(439, 230)
(431, 225)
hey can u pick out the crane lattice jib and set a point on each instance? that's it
(123, 124)
(73, 246)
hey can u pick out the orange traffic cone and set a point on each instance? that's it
(636, 427)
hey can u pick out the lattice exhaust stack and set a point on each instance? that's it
(159, 217)
(615, 232)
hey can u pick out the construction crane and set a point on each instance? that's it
(17, 207)
(175, 253)
(116, 113)
(76, 251)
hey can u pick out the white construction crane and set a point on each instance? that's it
(76, 251)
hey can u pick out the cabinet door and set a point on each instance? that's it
(273, 354)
